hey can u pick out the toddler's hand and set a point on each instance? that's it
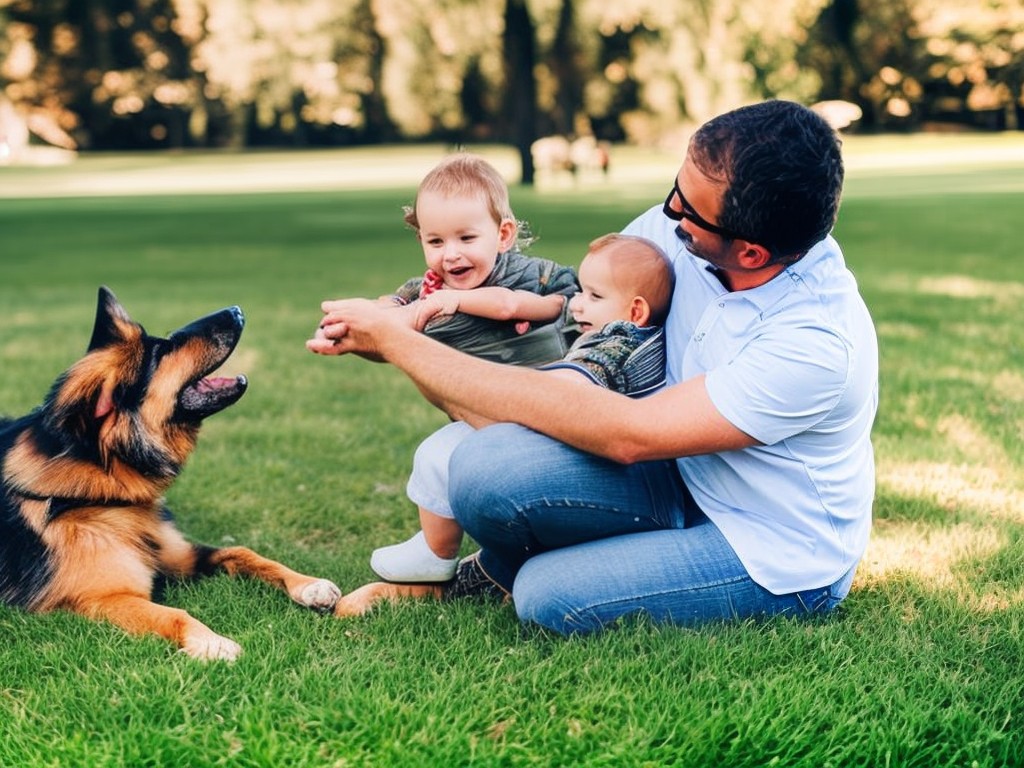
(321, 344)
(437, 304)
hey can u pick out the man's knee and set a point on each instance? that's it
(488, 467)
(543, 597)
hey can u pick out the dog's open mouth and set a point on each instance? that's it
(211, 394)
(208, 393)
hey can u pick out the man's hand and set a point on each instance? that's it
(359, 326)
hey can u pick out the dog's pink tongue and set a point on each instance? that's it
(212, 383)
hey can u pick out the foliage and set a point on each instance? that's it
(919, 668)
(173, 73)
(906, 62)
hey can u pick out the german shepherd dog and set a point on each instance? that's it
(83, 526)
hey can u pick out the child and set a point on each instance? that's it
(627, 285)
(480, 291)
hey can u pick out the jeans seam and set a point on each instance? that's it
(689, 590)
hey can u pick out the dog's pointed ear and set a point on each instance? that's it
(109, 317)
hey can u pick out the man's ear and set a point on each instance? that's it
(639, 311)
(754, 256)
(507, 231)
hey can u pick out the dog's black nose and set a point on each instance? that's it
(238, 313)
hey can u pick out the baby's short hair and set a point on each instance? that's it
(640, 267)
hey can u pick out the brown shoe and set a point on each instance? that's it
(471, 580)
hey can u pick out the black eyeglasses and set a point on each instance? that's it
(687, 212)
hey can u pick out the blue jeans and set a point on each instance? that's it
(581, 541)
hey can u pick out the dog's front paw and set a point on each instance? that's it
(320, 595)
(209, 646)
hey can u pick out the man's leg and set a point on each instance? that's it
(685, 577)
(519, 493)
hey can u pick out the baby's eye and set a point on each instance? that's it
(434, 241)
(468, 238)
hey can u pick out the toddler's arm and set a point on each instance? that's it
(492, 302)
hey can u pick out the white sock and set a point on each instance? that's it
(413, 561)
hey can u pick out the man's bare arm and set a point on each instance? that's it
(678, 421)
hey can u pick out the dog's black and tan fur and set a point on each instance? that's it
(82, 521)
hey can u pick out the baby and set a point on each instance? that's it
(627, 285)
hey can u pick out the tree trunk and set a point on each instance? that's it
(520, 86)
(565, 64)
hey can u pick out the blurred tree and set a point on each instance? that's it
(975, 62)
(285, 71)
(905, 62)
(567, 65)
(433, 47)
(162, 73)
(869, 52)
(109, 72)
(660, 68)
(521, 87)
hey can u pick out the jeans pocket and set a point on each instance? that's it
(813, 601)
(820, 600)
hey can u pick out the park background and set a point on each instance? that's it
(174, 74)
(274, 176)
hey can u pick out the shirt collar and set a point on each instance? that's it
(775, 290)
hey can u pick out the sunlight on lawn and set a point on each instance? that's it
(985, 488)
(963, 287)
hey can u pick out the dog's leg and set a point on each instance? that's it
(318, 594)
(182, 559)
(137, 615)
(363, 600)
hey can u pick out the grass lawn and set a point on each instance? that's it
(920, 667)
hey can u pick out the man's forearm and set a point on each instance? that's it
(482, 392)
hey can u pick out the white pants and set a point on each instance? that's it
(428, 483)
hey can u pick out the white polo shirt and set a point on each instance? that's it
(794, 364)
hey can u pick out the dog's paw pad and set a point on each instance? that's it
(212, 647)
(320, 595)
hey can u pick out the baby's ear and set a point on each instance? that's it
(639, 311)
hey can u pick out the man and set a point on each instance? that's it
(744, 487)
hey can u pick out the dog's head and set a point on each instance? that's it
(139, 399)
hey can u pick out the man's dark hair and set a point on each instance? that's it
(783, 170)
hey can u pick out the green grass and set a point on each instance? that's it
(920, 667)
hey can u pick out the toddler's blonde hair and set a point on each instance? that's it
(465, 175)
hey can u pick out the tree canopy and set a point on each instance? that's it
(203, 73)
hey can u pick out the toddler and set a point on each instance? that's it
(480, 292)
